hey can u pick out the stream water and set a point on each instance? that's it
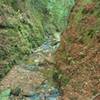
(48, 90)
(34, 75)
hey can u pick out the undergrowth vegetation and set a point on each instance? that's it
(26, 24)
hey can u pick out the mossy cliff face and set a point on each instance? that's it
(24, 25)
(78, 55)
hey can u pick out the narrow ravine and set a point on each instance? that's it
(49, 49)
(29, 37)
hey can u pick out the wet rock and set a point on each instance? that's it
(55, 93)
(35, 97)
(52, 98)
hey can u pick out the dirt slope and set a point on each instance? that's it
(78, 56)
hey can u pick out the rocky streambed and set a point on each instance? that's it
(32, 79)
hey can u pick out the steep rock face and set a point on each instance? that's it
(78, 56)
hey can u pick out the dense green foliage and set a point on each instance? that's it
(25, 24)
